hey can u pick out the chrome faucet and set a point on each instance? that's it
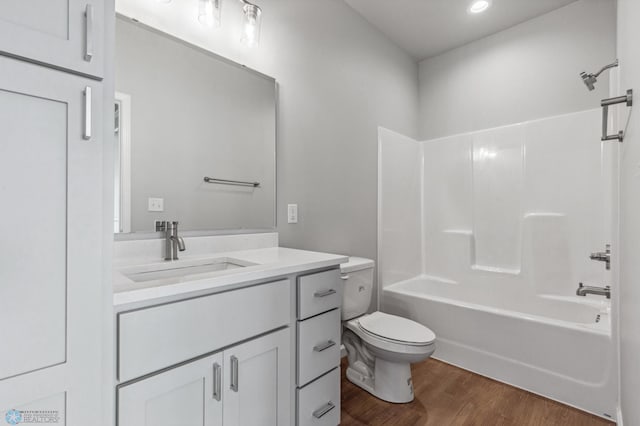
(603, 256)
(172, 241)
(583, 290)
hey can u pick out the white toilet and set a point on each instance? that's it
(380, 347)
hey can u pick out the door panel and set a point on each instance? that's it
(183, 396)
(262, 373)
(55, 32)
(33, 176)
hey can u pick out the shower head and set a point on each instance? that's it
(590, 79)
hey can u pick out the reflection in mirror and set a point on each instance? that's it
(184, 114)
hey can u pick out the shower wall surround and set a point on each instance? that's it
(484, 237)
(529, 200)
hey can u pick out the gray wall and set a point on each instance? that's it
(526, 72)
(339, 79)
(629, 294)
(195, 115)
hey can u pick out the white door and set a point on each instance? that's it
(189, 395)
(258, 377)
(50, 249)
(67, 34)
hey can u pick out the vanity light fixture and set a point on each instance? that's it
(478, 6)
(209, 12)
(251, 22)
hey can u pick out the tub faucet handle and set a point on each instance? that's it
(603, 256)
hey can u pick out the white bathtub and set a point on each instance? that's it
(559, 347)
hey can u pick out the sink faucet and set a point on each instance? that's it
(603, 256)
(172, 242)
(583, 290)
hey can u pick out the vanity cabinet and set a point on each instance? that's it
(245, 385)
(66, 34)
(51, 163)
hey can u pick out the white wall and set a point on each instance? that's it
(526, 72)
(339, 80)
(628, 36)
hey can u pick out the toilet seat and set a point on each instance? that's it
(396, 329)
(375, 328)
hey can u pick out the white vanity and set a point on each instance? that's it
(226, 336)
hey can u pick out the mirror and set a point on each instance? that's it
(195, 136)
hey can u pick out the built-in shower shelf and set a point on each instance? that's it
(496, 270)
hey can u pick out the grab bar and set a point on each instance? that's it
(605, 104)
(231, 182)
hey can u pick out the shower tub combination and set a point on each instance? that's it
(484, 238)
(558, 347)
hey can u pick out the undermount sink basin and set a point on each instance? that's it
(184, 271)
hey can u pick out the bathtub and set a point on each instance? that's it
(556, 346)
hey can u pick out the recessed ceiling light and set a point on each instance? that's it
(479, 6)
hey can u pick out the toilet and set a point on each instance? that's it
(380, 347)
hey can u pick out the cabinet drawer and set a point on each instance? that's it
(158, 337)
(318, 293)
(318, 345)
(319, 401)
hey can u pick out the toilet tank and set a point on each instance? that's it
(357, 277)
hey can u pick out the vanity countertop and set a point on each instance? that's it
(263, 263)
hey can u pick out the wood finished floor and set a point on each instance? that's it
(447, 395)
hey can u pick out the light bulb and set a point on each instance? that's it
(479, 6)
(209, 12)
(252, 18)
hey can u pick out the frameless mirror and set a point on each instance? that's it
(195, 136)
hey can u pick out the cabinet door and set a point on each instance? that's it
(258, 382)
(190, 395)
(50, 250)
(67, 34)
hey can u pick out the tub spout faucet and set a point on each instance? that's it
(603, 256)
(583, 290)
(172, 241)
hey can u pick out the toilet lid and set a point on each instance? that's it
(396, 328)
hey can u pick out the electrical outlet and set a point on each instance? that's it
(292, 213)
(156, 205)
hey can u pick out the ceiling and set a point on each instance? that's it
(427, 28)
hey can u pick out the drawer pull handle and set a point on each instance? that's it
(88, 33)
(320, 412)
(344, 277)
(87, 114)
(324, 293)
(234, 374)
(324, 346)
(217, 382)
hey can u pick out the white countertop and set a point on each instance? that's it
(267, 263)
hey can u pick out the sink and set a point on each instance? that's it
(189, 270)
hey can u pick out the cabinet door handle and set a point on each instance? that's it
(87, 113)
(88, 33)
(320, 412)
(324, 293)
(217, 382)
(234, 374)
(344, 277)
(324, 346)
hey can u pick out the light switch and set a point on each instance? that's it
(292, 213)
(156, 204)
